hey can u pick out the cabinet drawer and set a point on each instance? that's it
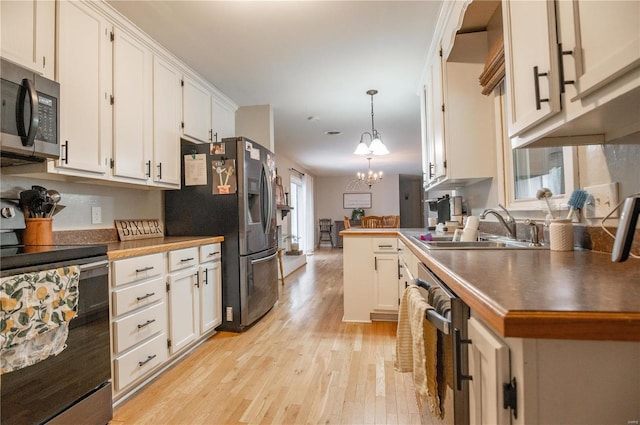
(136, 363)
(137, 268)
(130, 330)
(183, 258)
(140, 295)
(210, 252)
(385, 245)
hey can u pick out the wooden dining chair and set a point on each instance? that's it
(347, 223)
(371, 222)
(391, 221)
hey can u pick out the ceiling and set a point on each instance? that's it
(313, 61)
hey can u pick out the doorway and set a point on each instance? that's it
(411, 201)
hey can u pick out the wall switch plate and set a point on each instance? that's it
(601, 200)
(96, 215)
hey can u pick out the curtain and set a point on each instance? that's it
(309, 217)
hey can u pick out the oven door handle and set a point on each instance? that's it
(99, 268)
(432, 316)
(439, 321)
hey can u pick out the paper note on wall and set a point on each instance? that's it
(195, 170)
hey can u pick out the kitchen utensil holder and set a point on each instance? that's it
(38, 231)
(561, 235)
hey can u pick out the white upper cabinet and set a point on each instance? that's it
(459, 119)
(28, 34)
(597, 83)
(132, 107)
(435, 120)
(531, 57)
(196, 111)
(167, 112)
(606, 40)
(84, 73)
(223, 119)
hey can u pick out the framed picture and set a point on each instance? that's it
(356, 200)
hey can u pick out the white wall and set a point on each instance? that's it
(256, 123)
(329, 190)
(116, 203)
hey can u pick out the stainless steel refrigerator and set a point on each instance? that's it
(228, 189)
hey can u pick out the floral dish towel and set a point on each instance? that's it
(34, 311)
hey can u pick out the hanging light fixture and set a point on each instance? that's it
(376, 146)
(369, 178)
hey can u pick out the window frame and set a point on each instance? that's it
(505, 167)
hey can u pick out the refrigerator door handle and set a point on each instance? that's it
(260, 260)
(267, 215)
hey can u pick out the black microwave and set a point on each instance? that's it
(30, 115)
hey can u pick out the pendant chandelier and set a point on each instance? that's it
(375, 147)
(369, 178)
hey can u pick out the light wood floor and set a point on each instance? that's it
(299, 365)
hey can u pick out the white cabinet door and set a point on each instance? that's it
(84, 74)
(132, 107)
(167, 111)
(28, 34)
(210, 296)
(385, 282)
(183, 308)
(437, 160)
(489, 366)
(606, 40)
(223, 120)
(196, 111)
(531, 58)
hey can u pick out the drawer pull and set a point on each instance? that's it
(184, 260)
(147, 323)
(211, 254)
(145, 296)
(149, 358)
(144, 269)
(385, 246)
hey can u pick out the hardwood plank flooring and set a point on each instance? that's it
(299, 365)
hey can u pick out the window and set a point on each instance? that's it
(296, 200)
(527, 170)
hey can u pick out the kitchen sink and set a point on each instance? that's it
(483, 243)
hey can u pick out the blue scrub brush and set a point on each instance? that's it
(576, 201)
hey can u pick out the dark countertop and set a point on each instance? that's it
(539, 293)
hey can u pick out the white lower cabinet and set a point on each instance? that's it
(210, 287)
(489, 366)
(370, 277)
(139, 318)
(140, 361)
(183, 282)
(161, 304)
(195, 294)
(557, 381)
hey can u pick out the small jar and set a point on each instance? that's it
(561, 235)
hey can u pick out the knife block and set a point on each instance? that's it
(38, 231)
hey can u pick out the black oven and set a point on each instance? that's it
(450, 316)
(74, 386)
(30, 115)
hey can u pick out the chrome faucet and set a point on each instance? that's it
(509, 223)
